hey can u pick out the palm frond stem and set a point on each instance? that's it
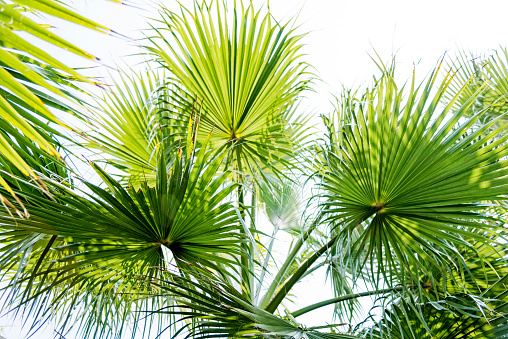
(346, 297)
(282, 271)
(245, 259)
(275, 302)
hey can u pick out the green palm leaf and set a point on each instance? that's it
(486, 73)
(213, 308)
(283, 203)
(245, 69)
(410, 178)
(93, 262)
(246, 74)
(141, 112)
(453, 318)
(22, 104)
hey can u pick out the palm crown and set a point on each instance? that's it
(410, 184)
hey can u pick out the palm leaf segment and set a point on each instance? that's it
(486, 263)
(92, 262)
(488, 74)
(410, 177)
(282, 202)
(245, 70)
(142, 112)
(27, 71)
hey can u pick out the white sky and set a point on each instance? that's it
(341, 36)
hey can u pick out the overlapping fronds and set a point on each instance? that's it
(209, 308)
(85, 250)
(487, 74)
(138, 115)
(454, 317)
(346, 273)
(411, 178)
(408, 201)
(486, 263)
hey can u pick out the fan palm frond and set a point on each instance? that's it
(135, 117)
(283, 203)
(411, 178)
(245, 68)
(101, 240)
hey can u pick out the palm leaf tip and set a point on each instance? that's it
(28, 73)
(457, 316)
(218, 309)
(486, 73)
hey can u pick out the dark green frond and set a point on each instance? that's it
(212, 308)
(98, 243)
(411, 178)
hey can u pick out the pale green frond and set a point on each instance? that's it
(141, 113)
(245, 68)
(488, 73)
(283, 203)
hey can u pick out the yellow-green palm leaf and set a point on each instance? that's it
(24, 67)
(487, 74)
(245, 70)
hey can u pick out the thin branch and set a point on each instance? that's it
(343, 298)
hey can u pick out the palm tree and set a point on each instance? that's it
(408, 184)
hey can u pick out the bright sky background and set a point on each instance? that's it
(341, 36)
